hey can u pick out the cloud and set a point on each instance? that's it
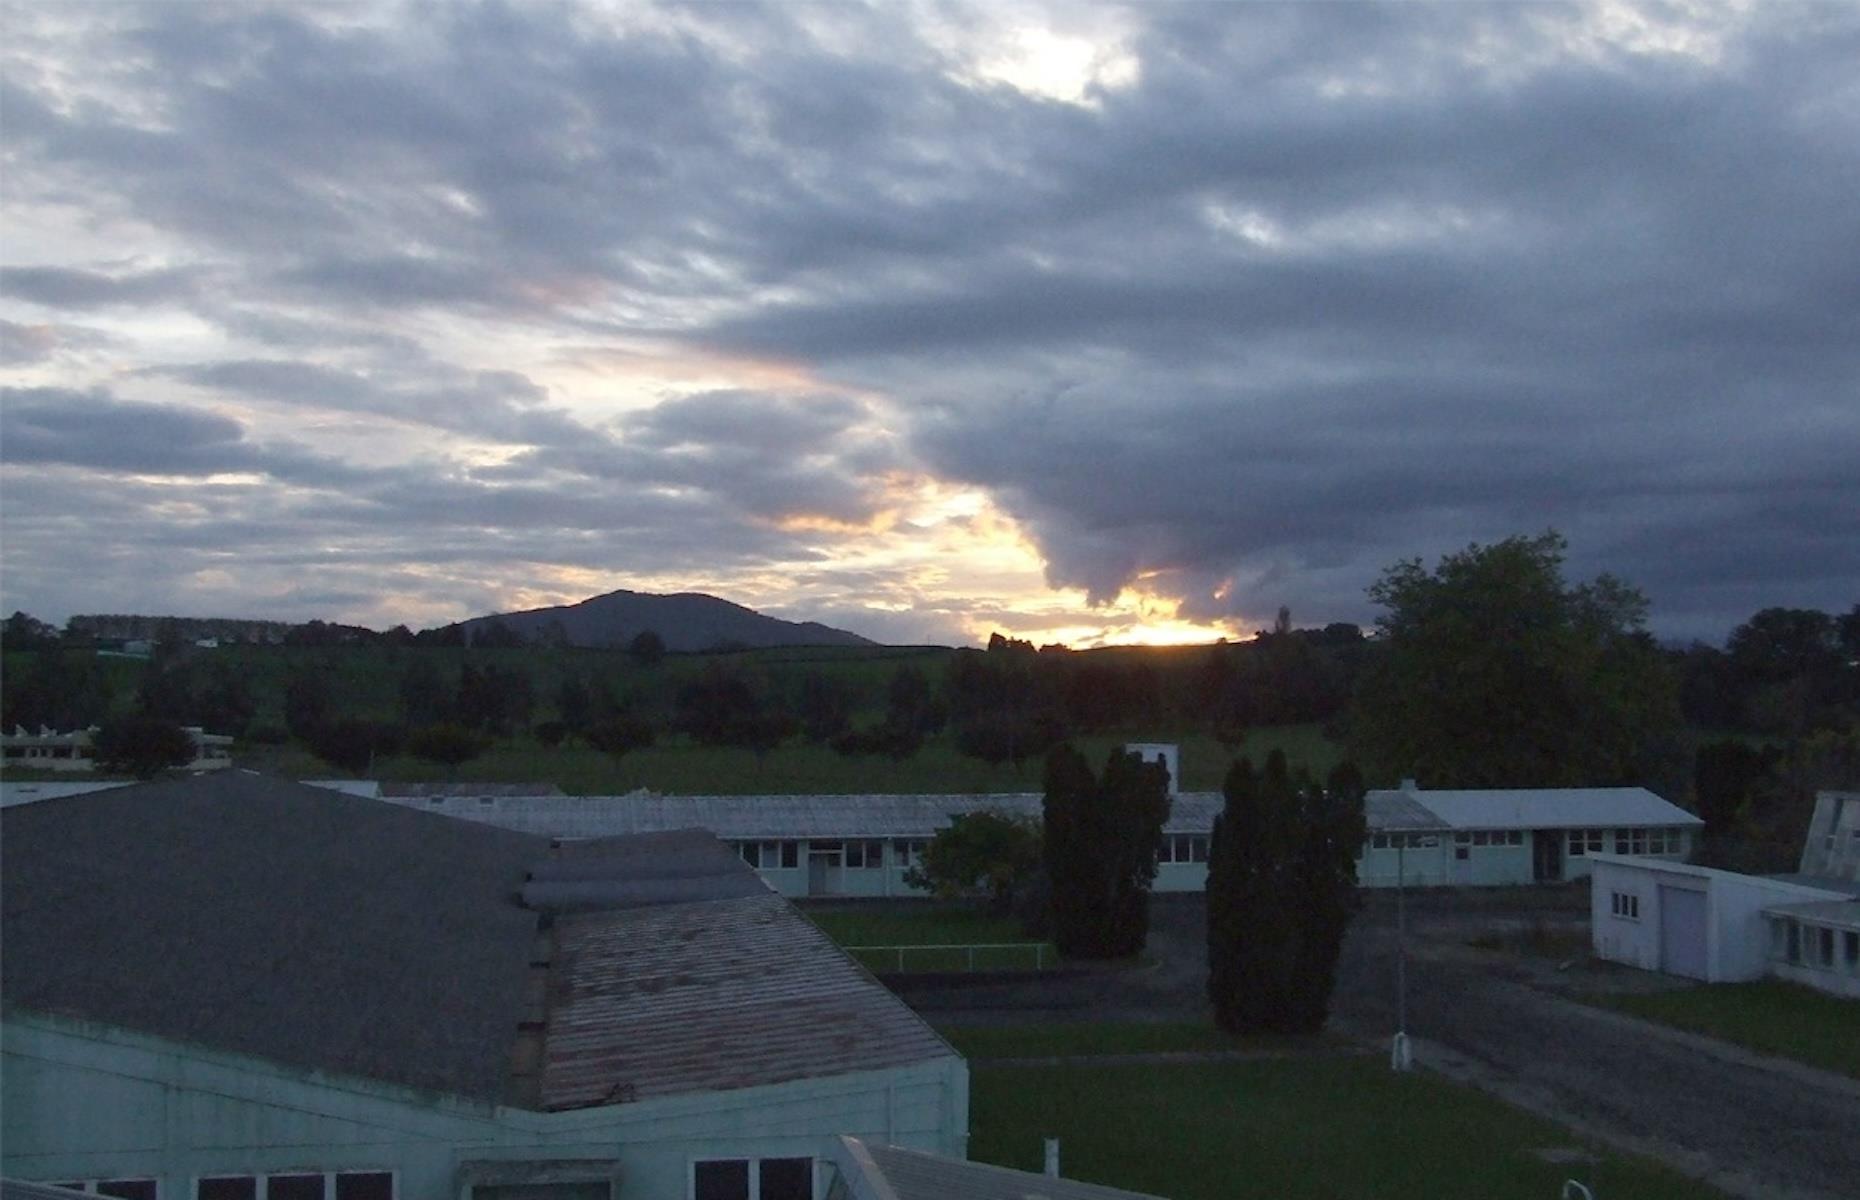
(1225, 306)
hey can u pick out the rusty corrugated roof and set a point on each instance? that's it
(710, 996)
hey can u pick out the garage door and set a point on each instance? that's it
(1682, 932)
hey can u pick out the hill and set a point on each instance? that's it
(687, 621)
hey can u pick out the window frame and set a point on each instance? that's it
(753, 1169)
(262, 1181)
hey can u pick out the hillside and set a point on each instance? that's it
(687, 621)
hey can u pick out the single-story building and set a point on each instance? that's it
(1723, 926)
(232, 987)
(864, 845)
(49, 750)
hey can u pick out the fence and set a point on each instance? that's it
(995, 956)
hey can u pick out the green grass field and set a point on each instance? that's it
(936, 926)
(1769, 1016)
(1318, 1127)
(680, 767)
(366, 683)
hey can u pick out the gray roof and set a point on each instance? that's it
(762, 817)
(707, 996)
(1385, 811)
(424, 789)
(259, 916)
(875, 1172)
(1842, 914)
(1546, 808)
(28, 791)
(338, 933)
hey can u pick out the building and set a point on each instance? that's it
(864, 845)
(237, 988)
(1518, 835)
(1722, 926)
(48, 750)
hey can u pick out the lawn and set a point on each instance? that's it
(1125, 1037)
(1769, 1016)
(934, 926)
(1287, 1128)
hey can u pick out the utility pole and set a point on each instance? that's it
(1401, 1055)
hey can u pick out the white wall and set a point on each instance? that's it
(1737, 937)
(83, 1101)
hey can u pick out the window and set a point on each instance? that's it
(226, 1187)
(1183, 848)
(294, 1187)
(1584, 841)
(297, 1185)
(1514, 837)
(1825, 942)
(1379, 841)
(1462, 846)
(753, 1179)
(1850, 949)
(1630, 841)
(865, 854)
(907, 852)
(790, 855)
(1793, 933)
(1625, 904)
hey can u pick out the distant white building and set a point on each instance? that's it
(1722, 926)
(864, 845)
(49, 750)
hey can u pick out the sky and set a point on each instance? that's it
(1084, 323)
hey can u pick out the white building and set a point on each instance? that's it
(1722, 926)
(237, 988)
(863, 845)
(48, 750)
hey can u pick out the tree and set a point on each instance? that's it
(445, 744)
(647, 648)
(620, 735)
(308, 703)
(724, 707)
(1101, 836)
(425, 698)
(1281, 892)
(1491, 672)
(23, 631)
(824, 708)
(982, 853)
(144, 746)
(354, 744)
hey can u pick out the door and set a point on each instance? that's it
(1682, 932)
(1547, 855)
(823, 872)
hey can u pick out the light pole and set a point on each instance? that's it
(1401, 1055)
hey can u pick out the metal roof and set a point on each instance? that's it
(1547, 808)
(423, 789)
(1842, 914)
(875, 1172)
(1385, 811)
(721, 994)
(752, 818)
(25, 791)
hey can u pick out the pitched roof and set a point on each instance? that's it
(713, 995)
(337, 933)
(259, 916)
(1545, 808)
(756, 817)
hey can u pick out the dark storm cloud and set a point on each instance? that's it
(1319, 288)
